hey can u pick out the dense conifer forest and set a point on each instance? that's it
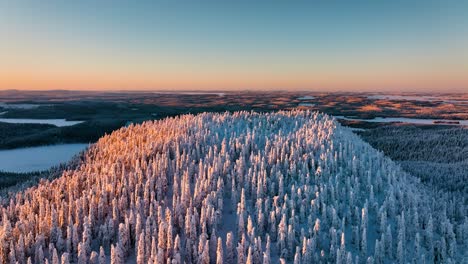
(438, 155)
(288, 187)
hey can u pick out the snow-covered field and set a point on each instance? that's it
(37, 158)
(307, 97)
(419, 121)
(20, 106)
(192, 93)
(55, 122)
(356, 129)
(306, 104)
(234, 188)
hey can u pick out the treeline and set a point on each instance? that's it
(30, 135)
(8, 179)
(11, 182)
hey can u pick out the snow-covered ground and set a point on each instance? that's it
(306, 104)
(37, 158)
(55, 122)
(419, 121)
(193, 93)
(356, 129)
(307, 97)
(456, 101)
(20, 106)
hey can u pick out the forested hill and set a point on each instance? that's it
(437, 155)
(233, 188)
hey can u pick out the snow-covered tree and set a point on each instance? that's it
(230, 249)
(94, 258)
(219, 252)
(65, 259)
(163, 191)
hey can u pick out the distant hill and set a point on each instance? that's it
(293, 187)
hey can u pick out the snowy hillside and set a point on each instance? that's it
(233, 188)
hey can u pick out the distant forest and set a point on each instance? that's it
(437, 155)
(29, 135)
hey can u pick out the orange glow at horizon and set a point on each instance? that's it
(322, 81)
(229, 45)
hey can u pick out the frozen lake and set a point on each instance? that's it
(37, 158)
(192, 93)
(55, 122)
(307, 97)
(21, 106)
(306, 104)
(420, 98)
(407, 120)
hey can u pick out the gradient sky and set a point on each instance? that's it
(413, 45)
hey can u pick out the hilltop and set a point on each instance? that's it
(292, 186)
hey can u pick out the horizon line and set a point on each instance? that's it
(227, 90)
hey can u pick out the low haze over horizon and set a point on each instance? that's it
(363, 45)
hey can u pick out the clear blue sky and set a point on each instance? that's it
(318, 45)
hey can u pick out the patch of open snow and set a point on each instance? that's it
(193, 93)
(55, 122)
(356, 129)
(307, 97)
(20, 106)
(306, 104)
(37, 158)
(456, 101)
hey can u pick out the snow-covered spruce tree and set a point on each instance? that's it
(219, 252)
(290, 186)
